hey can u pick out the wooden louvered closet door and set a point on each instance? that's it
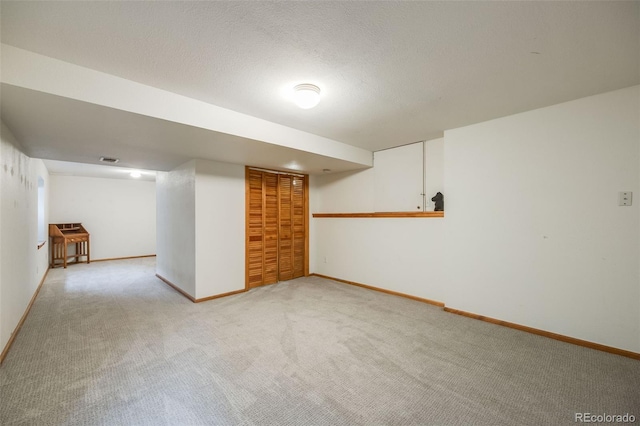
(285, 237)
(298, 225)
(270, 228)
(276, 227)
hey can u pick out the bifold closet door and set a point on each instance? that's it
(298, 225)
(285, 237)
(276, 227)
(270, 228)
(292, 227)
(262, 228)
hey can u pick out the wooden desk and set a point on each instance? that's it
(63, 234)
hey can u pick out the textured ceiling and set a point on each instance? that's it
(391, 72)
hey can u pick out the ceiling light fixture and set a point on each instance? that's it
(135, 174)
(306, 95)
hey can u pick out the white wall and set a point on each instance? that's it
(398, 179)
(534, 232)
(433, 170)
(346, 192)
(395, 183)
(120, 214)
(201, 227)
(176, 227)
(402, 255)
(42, 254)
(220, 228)
(22, 264)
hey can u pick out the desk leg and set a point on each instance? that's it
(88, 250)
(64, 250)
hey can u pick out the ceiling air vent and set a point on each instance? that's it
(109, 160)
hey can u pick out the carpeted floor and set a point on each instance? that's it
(110, 344)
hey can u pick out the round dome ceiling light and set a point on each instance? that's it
(306, 95)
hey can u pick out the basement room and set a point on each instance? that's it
(319, 213)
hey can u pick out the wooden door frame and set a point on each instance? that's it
(307, 215)
(247, 197)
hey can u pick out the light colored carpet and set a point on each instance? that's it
(110, 344)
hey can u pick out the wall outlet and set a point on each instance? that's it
(625, 198)
(325, 259)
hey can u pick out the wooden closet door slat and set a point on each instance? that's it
(298, 224)
(285, 246)
(270, 228)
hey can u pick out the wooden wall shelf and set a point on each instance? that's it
(380, 214)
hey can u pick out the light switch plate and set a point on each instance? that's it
(625, 198)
